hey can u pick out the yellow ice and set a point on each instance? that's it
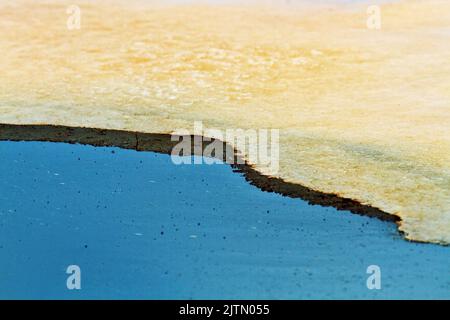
(362, 113)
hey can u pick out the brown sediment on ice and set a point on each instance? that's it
(162, 143)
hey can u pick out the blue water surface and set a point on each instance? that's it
(139, 226)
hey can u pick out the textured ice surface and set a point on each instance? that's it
(362, 113)
(140, 227)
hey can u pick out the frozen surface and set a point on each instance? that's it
(362, 113)
(140, 227)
